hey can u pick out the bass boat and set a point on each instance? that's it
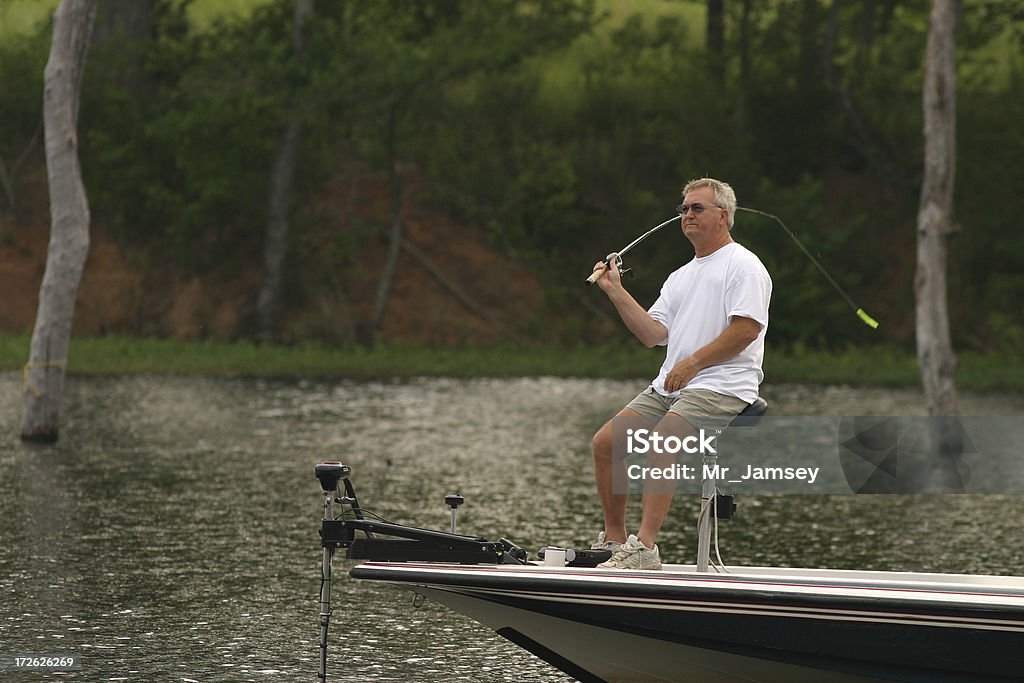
(694, 622)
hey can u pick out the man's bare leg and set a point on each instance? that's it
(658, 493)
(610, 467)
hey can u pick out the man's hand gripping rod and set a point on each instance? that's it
(617, 255)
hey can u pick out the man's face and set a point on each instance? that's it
(703, 221)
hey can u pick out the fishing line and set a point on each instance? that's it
(867, 319)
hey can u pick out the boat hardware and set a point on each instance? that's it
(454, 501)
(581, 558)
(713, 504)
(329, 474)
(338, 530)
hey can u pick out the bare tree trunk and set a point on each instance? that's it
(275, 248)
(716, 41)
(120, 38)
(5, 180)
(872, 143)
(69, 222)
(387, 277)
(396, 193)
(934, 217)
(456, 291)
(828, 47)
(867, 36)
(745, 32)
(934, 229)
(124, 21)
(807, 75)
(743, 86)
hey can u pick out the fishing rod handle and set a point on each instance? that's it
(596, 275)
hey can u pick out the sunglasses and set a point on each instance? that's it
(696, 207)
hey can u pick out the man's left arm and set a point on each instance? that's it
(738, 335)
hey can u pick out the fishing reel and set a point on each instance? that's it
(607, 262)
(618, 264)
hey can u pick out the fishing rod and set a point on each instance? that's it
(617, 257)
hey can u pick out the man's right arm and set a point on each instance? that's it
(648, 330)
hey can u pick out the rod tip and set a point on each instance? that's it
(868, 320)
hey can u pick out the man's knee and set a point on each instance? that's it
(601, 444)
(675, 424)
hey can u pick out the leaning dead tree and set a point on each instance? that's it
(934, 218)
(69, 222)
(275, 248)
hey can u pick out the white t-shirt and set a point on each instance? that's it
(697, 303)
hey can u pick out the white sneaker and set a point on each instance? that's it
(605, 545)
(633, 555)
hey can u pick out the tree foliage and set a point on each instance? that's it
(562, 131)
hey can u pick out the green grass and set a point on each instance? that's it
(125, 355)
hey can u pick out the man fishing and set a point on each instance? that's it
(712, 314)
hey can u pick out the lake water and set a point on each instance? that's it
(171, 534)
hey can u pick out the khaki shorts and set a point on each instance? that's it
(702, 408)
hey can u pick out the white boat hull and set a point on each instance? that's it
(756, 625)
(619, 657)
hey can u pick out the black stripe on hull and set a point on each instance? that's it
(550, 656)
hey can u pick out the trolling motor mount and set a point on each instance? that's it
(401, 543)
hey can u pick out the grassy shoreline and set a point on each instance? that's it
(126, 355)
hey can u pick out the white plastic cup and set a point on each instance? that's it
(554, 557)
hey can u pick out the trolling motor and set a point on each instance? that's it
(339, 526)
(329, 474)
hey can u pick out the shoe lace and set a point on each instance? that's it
(625, 551)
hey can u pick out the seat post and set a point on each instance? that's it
(707, 500)
(750, 416)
